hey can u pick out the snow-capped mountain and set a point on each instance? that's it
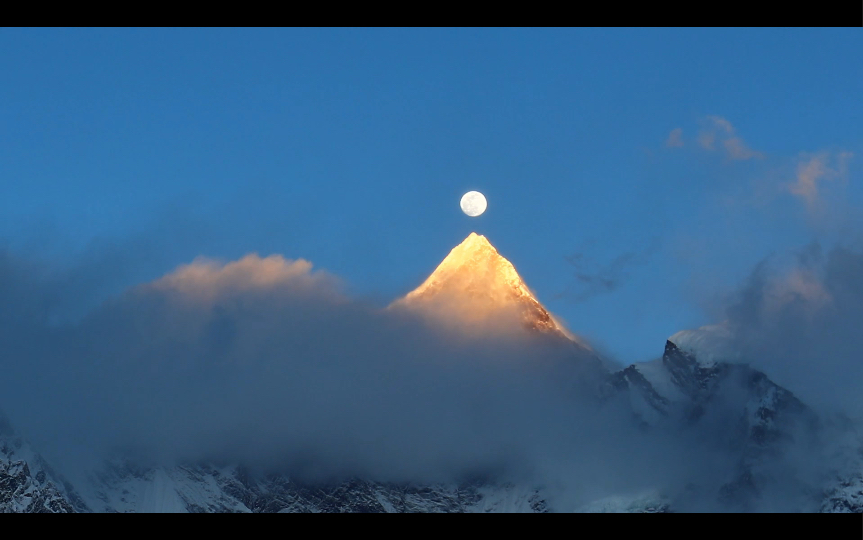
(27, 483)
(123, 487)
(756, 420)
(844, 494)
(708, 344)
(698, 388)
(673, 391)
(475, 284)
(681, 385)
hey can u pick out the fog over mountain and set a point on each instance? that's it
(802, 324)
(431, 270)
(266, 362)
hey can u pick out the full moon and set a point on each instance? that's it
(473, 203)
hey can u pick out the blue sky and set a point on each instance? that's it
(351, 148)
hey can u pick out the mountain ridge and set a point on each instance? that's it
(769, 420)
(695, 388)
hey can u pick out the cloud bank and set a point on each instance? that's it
(801, 324)
(267, 362)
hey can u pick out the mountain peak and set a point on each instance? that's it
(476, 241)
(474, 269)
(475, 283)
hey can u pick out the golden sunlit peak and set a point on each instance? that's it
(474, 239)
(474, 268)
(473, 284)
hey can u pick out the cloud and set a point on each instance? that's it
(596, 278)
(802, 325)
(813, 170)
(205, 279)
(266, 362)
(737, 150)
(720, 130)
(675, 138)
(721, 124)
(707, 140)
(801, 286)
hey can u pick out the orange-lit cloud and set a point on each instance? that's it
(205, 279)
(801, 286)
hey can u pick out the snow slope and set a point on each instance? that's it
(121, 487)
(27, 484)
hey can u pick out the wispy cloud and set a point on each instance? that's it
(675, 138)
(802, 325)
(707, 140)
(813, 170)
(722, 124)
(719, 133)
(595, 278)
(737, 150)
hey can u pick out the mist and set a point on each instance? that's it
(268, 362)
(801, 323)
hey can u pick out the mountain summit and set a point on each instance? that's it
(475, 284)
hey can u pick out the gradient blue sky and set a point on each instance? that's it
(351, 148)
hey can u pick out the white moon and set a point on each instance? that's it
(473, 203)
